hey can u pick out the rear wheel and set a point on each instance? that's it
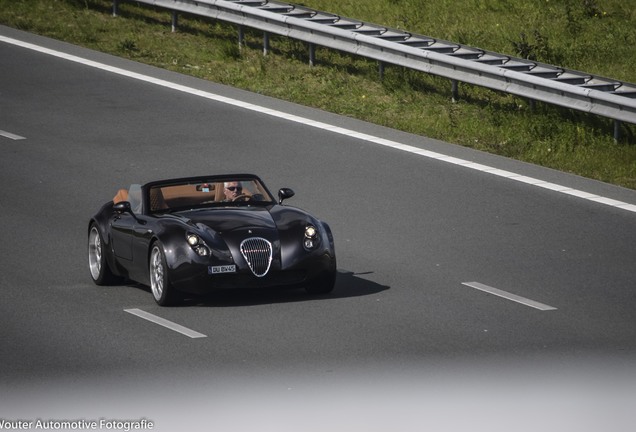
(162, 292)
(100, 272)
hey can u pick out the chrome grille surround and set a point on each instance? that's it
(257, 251)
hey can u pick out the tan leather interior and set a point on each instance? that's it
(122, 195)
(219, 189)
(183, 196)
(157, 200)
(180, 195)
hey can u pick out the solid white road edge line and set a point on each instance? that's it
(11, 136)
(328, 127)
(165, 323)
(509, 296)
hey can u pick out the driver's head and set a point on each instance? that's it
(232, 189)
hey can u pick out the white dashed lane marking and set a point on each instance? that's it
(11, 136)
(509, 296)
(165, 323)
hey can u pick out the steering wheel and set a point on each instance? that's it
(242, 197)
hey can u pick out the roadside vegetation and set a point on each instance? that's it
(594, 36)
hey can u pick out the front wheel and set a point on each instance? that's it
(322, 284)
(162, 292)
(97, 264)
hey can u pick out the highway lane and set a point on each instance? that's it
(410, 231)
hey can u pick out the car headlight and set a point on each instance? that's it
(311, 237)
(198, 245)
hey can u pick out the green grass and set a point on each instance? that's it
(593, 36)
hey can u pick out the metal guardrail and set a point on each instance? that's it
(460, 63)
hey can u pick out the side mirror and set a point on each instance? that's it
(284, 193)
(122, 207)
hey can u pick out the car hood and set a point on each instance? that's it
(226, 228)
(223, 220)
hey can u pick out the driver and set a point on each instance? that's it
(232, 190)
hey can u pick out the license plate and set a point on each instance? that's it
(221, 269)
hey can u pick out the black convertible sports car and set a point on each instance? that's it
(198, 234)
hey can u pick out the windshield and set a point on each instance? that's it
(177, 197)
(134, 197)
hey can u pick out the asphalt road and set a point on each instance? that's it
(409, 340)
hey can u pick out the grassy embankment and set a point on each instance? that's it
(594, 36)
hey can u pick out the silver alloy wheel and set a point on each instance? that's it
(95, 253)
(156, 273)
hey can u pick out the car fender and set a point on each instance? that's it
(172, 235)
(291, 223)
(102, 220)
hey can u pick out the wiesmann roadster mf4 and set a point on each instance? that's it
(200, 234)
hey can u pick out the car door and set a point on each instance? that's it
(122, 229)
(142, 234)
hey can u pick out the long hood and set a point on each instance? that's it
(224, 220)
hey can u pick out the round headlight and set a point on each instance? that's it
(310, 232)
(193, 239)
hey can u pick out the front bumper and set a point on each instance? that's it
(195, 278)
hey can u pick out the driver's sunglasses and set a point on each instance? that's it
(234, 188)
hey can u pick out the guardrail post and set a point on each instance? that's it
(312, 54)
(115, 7)
(175, 19)
(241, 36)
(617, 130)
(265, 43)
(381, 70)
(455, 90)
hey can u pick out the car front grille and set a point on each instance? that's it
(258, 253)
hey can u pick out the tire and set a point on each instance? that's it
(97, 264)
(322, 284)
(163, 293)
